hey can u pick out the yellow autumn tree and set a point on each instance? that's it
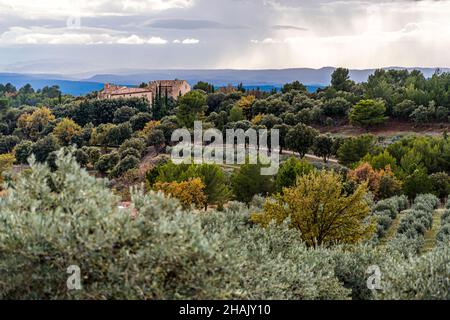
(33, 124)
(6, 163)
(149, 127)
(319, 209)
(190, 192)
(246, 103)
(257, 119)
(24, 121)
(66, 130)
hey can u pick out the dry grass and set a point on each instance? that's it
(430, 235)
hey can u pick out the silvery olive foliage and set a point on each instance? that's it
(351, 264)
(420, 218)
(423, 277)
(276, 263)
(52, 219)
(257, 202)
(386, 211)
(443, 236)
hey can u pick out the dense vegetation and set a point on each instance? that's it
(54, 218)
(309, 232)
(113, 135)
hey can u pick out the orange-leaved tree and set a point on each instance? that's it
(365, 173)
(382, 183)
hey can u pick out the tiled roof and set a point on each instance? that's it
(168, 82)
(125, 90)
(116, 90)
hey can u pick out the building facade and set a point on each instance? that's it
(173, 88)
(117, 92)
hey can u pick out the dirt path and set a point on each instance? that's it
(148, 161)
(309, 156)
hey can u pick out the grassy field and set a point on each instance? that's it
(430, 235)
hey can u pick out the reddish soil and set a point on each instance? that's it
(391, 128)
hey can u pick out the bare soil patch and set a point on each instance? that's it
(390, 128)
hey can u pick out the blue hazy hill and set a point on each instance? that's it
(77, 87)
(266, 80)
(72, 87)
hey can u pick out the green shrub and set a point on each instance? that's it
(289, 171)
(275, 264)
(411, 226)
(82, 157)
(389, 205)
(107, 162)
(236, 206)
(418, 278)
(257, 202)
(23, 151)
(130, 152)
(445, 217)
(443, 236)
(429, 200)
(422, 206)
(134, 143)
(127, 163)
(384, 221)
(164, 253)
(50, 220)
(351, 265)
(402, 202)
(47, 222)
(387, 210)
(7, 143)
(406, 247)
(247, 182)
(420, 218)
(94, 154)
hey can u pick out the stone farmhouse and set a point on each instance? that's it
(116, 92)
(173, 89)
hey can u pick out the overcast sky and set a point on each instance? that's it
(81, 35)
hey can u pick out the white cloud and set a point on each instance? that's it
(156, 40)
(44, 36)
(133, 39)
(266, 41)
(190, 41)
(414, 44)
(351, 33)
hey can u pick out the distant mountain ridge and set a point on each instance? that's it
(38, 81)
(275, 78)
(220, 77)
